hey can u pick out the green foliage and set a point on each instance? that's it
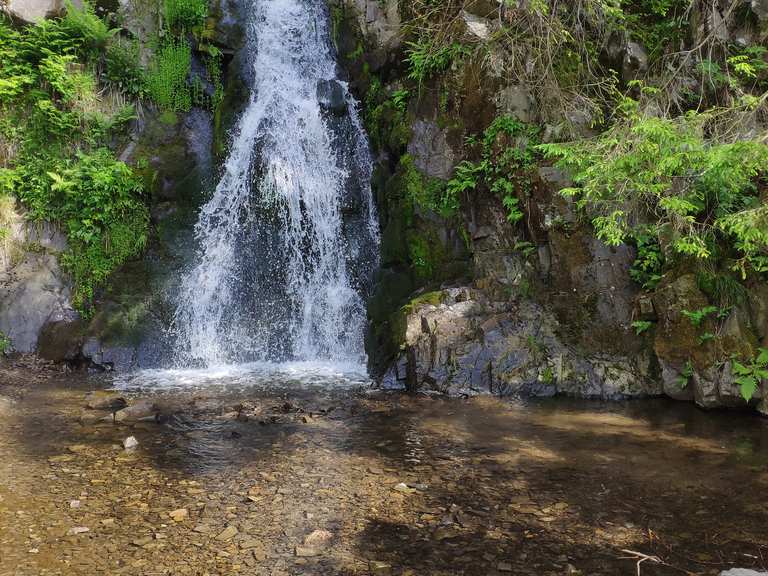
(122, 70)
(5, 343)
(386, 116)
(701, 192)
(184, 14)
(88, 30)
(696, 317)
(420, 255)
(685, 375)
(425, 59)
(59, 167)
(749, 374)
(641, 326)
(97, 199)
(167, 77)
(426, 192)
(647, 267)
(507, 159)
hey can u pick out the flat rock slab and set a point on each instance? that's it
(742, 572)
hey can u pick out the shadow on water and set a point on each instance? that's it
(542, 487)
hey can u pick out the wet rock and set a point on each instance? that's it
(61, 340)
(104, 400)
(143, 409)
(332, 96)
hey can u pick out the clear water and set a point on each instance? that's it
(281, 268)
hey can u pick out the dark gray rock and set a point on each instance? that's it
(332, 96)
(430, 150)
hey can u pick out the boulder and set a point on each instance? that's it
(61, 340)
(35, 10)
(517, 101)
(332, 96)
(33, 294)
(477, 26)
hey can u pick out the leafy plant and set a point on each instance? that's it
(647, 267)
(5, 343)
(696, 317)
(424, 59)
(167, 78)
(749, 375)
(185, 14)
(641, 326)
(685, 375)
(701, 193)
(122, 70)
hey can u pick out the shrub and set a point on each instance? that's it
(167, 78)
(701, 193)
(184, 13)
(122, 70)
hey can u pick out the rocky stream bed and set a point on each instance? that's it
(351, 481)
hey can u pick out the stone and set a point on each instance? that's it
(477, 26)
(379, 568)
(516, 101)
(33, 293)
(403, 488)
(104, 400)
(31, 11)
(504, 567)
(742, 572)
(144, 409)
(635, 62)
(432, 155)
(62, 339)
(332, 96)
(130, 443)
(760, 8)
(227, 534)
(74, 531)
(179, 515)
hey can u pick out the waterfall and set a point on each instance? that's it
(287, 242)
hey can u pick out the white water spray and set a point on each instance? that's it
(281, 267)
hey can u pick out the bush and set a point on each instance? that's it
(700, 193)
(185, 13)
(167, 78)
(122, 70)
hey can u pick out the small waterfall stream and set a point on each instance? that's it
(288, 242)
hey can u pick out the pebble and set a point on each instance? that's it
(130, 443)
(227, 534)
(179, 515)
(378, 568)
(78, 530)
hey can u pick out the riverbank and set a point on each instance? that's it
(350, 481)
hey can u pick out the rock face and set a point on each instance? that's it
(35, 10)
(536, 307)
(34, 291)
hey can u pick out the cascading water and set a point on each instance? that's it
(288, 240)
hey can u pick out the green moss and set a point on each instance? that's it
(168, 118)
